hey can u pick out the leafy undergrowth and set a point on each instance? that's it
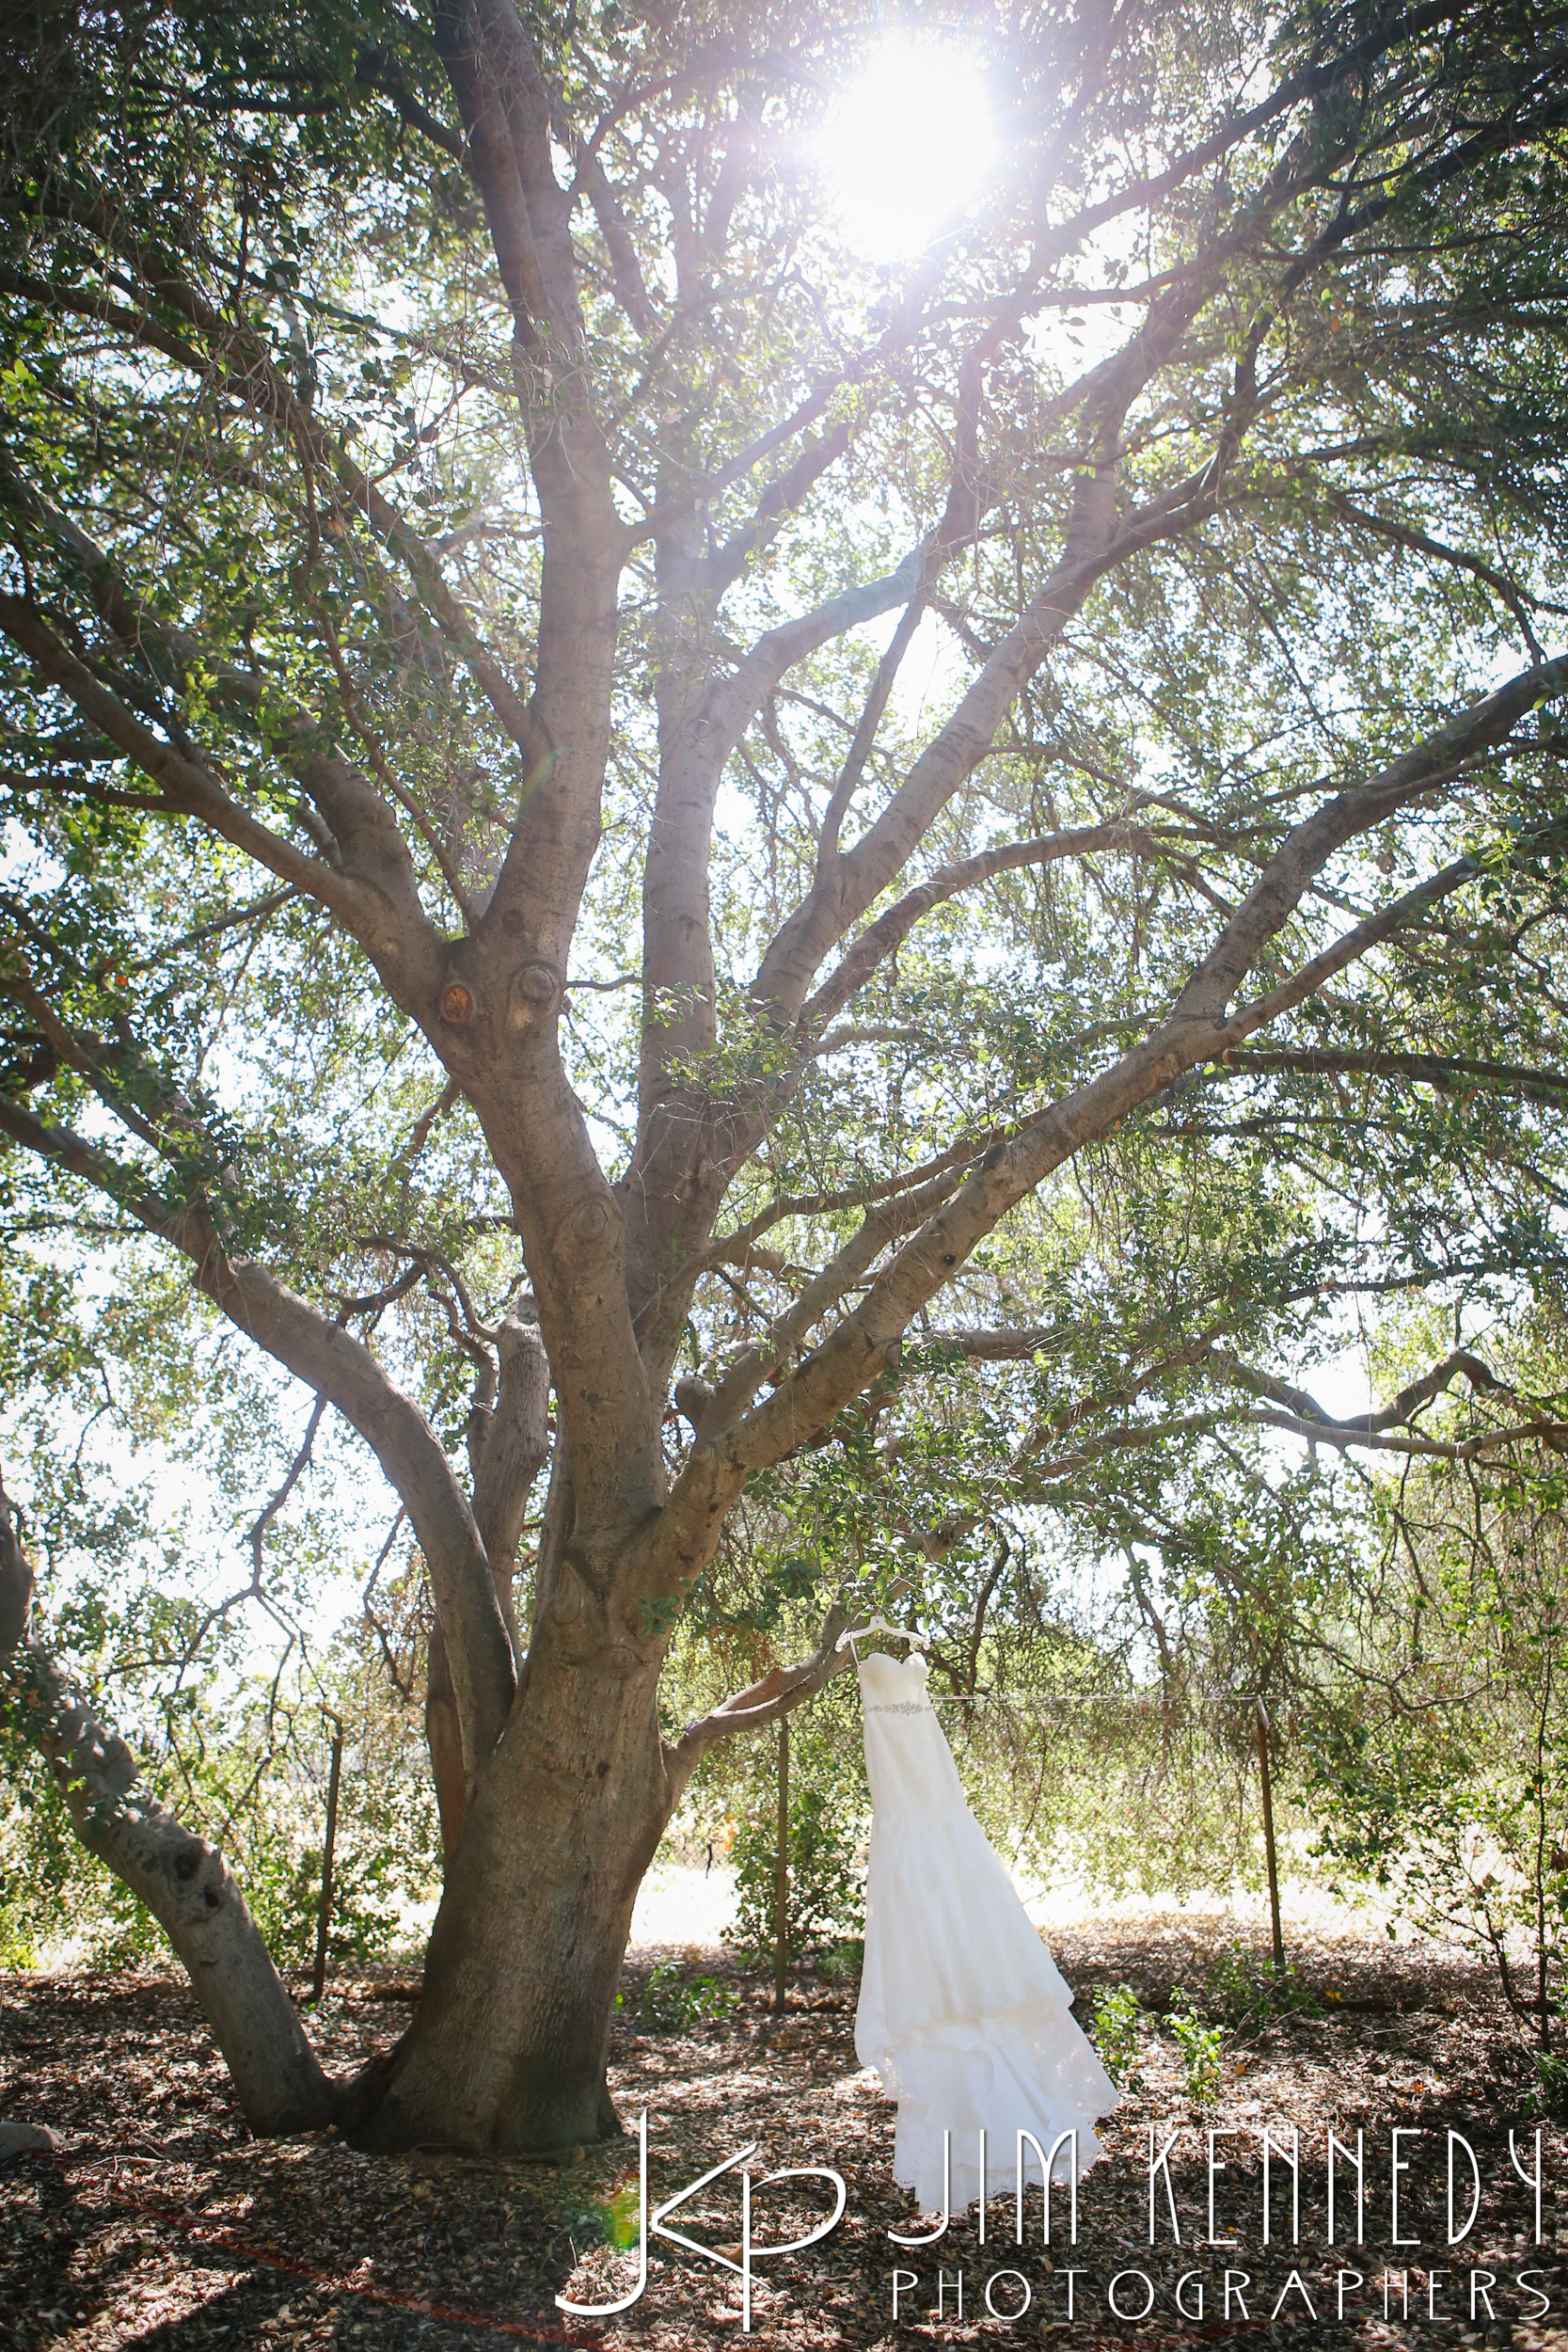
(159, 2223)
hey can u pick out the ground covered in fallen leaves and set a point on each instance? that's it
(158, 2222)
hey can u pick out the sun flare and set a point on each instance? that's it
(906, 145)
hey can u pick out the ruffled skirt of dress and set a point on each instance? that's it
(965, 2015)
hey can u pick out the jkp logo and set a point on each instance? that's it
(656, 2225)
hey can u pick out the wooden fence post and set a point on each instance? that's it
(323, 1914)
(781, 1876)
(1270, 1853)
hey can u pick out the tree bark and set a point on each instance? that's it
(329, 1842)
(507, 2051)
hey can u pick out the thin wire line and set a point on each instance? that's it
(1213, 1694)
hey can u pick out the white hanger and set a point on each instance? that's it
(879, 1623)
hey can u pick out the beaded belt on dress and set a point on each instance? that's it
(898, 1707)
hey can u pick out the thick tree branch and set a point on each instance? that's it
(239, 360)
(778, 1694)
(1397, 1415)
(1542, 1429)
(190, 1890)
(16, 1581)
(854, 879)
(1457, 1075)
(378, 70)
(631, 290)
(848, 1265)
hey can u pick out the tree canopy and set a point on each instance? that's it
(688, 870)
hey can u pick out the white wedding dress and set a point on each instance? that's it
(962, 2011)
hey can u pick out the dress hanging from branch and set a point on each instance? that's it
(962, 2011)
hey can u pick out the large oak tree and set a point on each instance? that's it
(469, 516)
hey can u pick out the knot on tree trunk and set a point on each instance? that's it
(591, 1223)
(202, 1883)
(535, 988)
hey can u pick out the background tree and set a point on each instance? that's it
(1433, 1747)
(457, 479)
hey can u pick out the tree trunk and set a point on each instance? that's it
(190, 1891)
(184, 1881)
(507, 2051)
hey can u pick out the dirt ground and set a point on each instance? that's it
(158, 2222)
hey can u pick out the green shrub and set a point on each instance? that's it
(827, 1899)
(827, 1892)
(1551, 2095)
(1198, 2044)
(842, 1963)
(671, 2000)
(1118, 2034)
(1247, 1990)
